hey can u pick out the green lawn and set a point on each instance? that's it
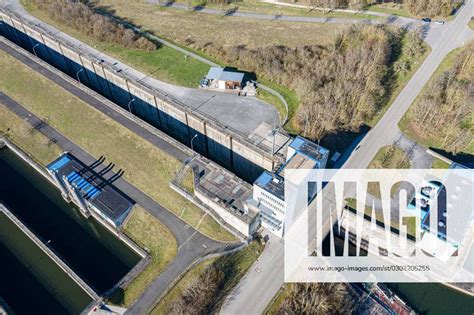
(290, 97)
(145, 166)
(471, 23)
(390, 157)
(27, 138)
(234, 266)
(165, 63)
(152, 235)
(439, 164)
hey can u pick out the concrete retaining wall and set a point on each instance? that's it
(178, 120)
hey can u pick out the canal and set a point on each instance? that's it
(424, 298)
(89, 249)
(434, 298)
(31, 283)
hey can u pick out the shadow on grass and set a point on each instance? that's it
(109, 12)
(461, 158)
(343, 142)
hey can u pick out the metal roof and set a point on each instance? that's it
(94, 188)
(272, 183)
(223, 75)
(308, 148)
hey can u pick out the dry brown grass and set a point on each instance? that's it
(181, 27)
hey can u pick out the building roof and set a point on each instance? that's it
(224, 75)
(272, 183)
(309, 148)
(227, 189)
(94, 188)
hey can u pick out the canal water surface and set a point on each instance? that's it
(92, 251)
(424, 298)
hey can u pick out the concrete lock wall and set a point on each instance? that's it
(213, 141)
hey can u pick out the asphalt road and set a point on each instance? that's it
(443, 40)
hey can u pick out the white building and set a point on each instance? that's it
(269, 188)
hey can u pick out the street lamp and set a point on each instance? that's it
(129, 108)
(77, 75)
(273, 133)
(195, 136)
(34, 51)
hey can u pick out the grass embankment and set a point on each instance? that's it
(164, 63)
(229, 269)
(278, 300)
(391, 8)
(195, 30)
(407, 125)
(145, 166)
(152, 235)
(439, 164)
(290, 97)
(26, 137)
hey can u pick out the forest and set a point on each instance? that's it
(444, 113)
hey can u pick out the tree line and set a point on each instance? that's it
(445, 110)
(342, 85)
(82, 17)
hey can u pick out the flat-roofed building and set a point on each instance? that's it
(436, 239)
(269, 188)
(227, 195)
(269, 195)
(224, 79)
(90, 190)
